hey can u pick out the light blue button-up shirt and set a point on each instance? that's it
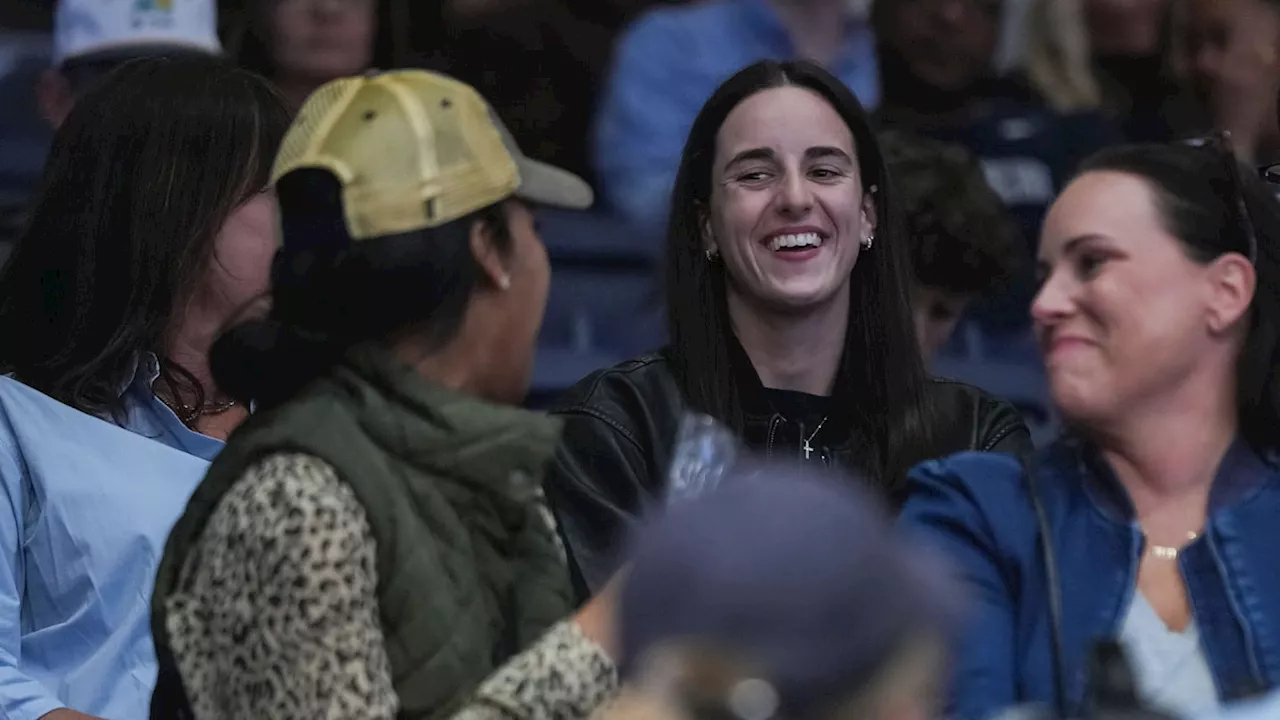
(666, 66)
(85, 511)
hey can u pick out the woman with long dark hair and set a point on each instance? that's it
(789, 318)
(1153, 520)
(152, 227)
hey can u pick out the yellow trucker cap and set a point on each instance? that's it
(414, 149)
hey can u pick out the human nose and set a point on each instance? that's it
(795, 196)
(1053, 301)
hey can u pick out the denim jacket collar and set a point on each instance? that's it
(1241, 473)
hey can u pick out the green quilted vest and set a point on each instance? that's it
(469, 571)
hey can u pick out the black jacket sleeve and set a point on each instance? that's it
(598, 485)
(611, 465)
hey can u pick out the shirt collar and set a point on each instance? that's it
(146, 371)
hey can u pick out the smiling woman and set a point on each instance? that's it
(787, 295)
(1158, 316)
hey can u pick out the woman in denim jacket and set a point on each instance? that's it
(1158, 316)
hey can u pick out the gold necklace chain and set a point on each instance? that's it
(1166, 552)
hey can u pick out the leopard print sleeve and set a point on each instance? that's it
(563, 676)
(276, 613)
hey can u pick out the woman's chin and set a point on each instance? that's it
(1078, 400)
(799, 295)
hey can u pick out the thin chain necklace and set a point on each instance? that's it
(1165, 552)
(807, 447)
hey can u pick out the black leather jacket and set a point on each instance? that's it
(621, 424)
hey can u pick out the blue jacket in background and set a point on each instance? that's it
(976, 508)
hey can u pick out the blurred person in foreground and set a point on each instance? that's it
(153, 226)
(963, 242)
(1159, 318)
(378, 524)
(302, 44)
(787, 299)
(670, 60)
(782, 593)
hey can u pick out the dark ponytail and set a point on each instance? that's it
(330, 293)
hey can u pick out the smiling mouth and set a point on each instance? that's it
(796, 242)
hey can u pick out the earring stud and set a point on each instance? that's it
(868, 240)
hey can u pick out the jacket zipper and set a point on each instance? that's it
(773, 429)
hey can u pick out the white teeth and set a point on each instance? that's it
(790, 241)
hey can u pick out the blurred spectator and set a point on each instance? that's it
(1227, 53)
(1086, 54)
(302, 44)
(150, 231)
(963, 243)
(1056, 55)
(671, 60)
(1129, 40)
(541, 63)
(92, 37)
(24, 134)
(736, 606)
(939, 80)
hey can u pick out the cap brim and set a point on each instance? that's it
(544, 184)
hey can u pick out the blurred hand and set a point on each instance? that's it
(598, 618)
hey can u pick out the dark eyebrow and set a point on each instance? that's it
(752, 154)
(1042, 267)
(815, 153)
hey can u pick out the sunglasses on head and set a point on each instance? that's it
(1220, 143)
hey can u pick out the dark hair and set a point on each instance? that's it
(83, 72)
(139, 181)
(881, 366)
(961, 236)
(330, 293)
(250, 42)
(1198, 201)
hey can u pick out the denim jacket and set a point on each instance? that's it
(976, 508)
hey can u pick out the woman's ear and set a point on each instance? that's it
(484, 248)
(869, 218)
(1232, 283)
(709, 246)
